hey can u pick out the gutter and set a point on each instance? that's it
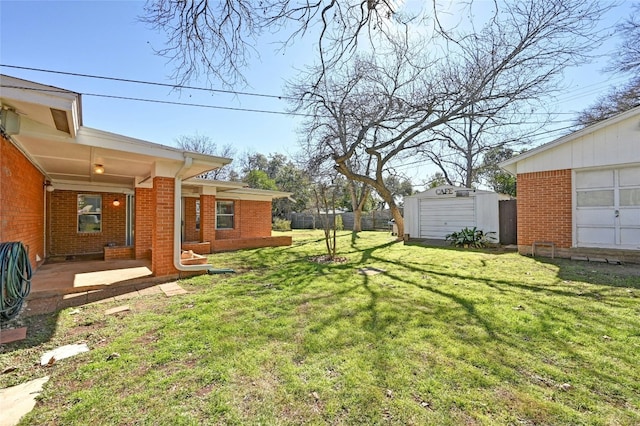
(177, 222)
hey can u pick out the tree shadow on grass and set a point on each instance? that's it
(597, 273)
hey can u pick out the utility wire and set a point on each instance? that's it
(150, 83)
(570, 96)
(157, 101)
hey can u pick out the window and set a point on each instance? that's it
(198, 215)
(89, 213)
(224, 214)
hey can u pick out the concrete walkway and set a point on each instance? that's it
(18, 400)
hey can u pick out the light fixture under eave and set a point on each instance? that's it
(116, 202)
(98, 169)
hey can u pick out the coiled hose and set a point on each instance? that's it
(15, 278)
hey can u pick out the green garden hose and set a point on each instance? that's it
(15, 278)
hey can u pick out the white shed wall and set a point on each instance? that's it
(425, 216)
(411, 217)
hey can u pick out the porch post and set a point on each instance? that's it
(163, 227)
(208, 219)
(143, 223)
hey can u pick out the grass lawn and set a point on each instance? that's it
(441, 336)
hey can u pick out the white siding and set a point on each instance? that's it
(616, 144)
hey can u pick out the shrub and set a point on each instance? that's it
(339, 224)
(281, 224)
(470, 237)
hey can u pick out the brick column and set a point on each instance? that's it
(544, 208)
(143, 223)
(208, 219)
(190, 231)
(163, 224)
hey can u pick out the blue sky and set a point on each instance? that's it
(105, 38)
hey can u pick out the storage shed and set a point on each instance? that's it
(439, 211)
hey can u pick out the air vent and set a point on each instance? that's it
(60, 120)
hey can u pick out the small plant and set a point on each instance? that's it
(339, 223)
(470, 237)
(281, 224)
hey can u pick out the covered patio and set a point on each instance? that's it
(61, 285)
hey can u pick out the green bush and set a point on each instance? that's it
(339, 224)
(471, 237)
(281, 225)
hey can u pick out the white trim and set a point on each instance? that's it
(509, 165)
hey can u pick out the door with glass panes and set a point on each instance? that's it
(607, 203)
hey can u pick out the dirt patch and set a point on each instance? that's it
(325, 259)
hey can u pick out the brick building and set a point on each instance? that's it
(71, 192)
(580, 194)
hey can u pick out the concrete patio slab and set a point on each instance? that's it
(78, 277)
(63, 352)
(172, 289)
(17, 401)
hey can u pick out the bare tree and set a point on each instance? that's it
(217, 37)
(205, 145)
(389, 106)
(616, 101)
(627, 58)
(461, 146)
(625, 61)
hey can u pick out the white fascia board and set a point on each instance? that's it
(38, 94)
(252, 192)
(221, 185)
(90, 186)
(510, 164)
(102, 139)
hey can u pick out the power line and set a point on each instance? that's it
(570, 96)
(157, 101)
(150, 83)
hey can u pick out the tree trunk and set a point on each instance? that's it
(397, 216)
(357, 220)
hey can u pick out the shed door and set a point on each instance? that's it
(439, 217)
(608, 208)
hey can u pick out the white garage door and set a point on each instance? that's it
(608, 208)
(439, 217)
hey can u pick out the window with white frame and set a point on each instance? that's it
(224, 214)
(89, 213)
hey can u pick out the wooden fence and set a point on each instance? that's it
(371, 221)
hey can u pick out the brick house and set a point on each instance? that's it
(69, 191)
(581, 192)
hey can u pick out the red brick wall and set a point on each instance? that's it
(544, 208)
(162, 236)
(114, 253)
(190, 231)
(64, 238)
(207, 218)
(21, 201)
(143, 226)
(251, 219)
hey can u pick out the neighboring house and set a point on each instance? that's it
(581, 192)
(68, 191)
(439, 211)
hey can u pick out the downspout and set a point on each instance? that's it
(177, 222)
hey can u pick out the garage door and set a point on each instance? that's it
(608, 208)
(439, 217)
